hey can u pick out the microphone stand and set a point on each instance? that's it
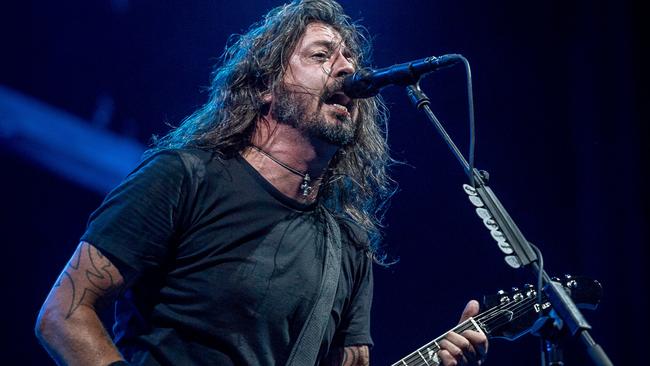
(511, 241)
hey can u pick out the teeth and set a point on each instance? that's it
(340, 106)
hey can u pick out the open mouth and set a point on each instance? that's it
(340, 102)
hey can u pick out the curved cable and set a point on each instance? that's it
(470, 110)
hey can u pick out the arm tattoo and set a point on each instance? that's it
(357, 356)
(93, 283)
(350, 356)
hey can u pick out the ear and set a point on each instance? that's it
(267, 101)
(267, 97)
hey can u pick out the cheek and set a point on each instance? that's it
(301, 82)
(312, 77)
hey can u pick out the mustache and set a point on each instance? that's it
(329, 91)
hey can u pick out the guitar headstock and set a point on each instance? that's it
(511, 314)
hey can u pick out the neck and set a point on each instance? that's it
(294, 149)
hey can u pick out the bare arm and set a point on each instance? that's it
(349, 356)
(68, 325)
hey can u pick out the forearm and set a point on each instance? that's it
(77, 340)
(68, 325)
(348, 356)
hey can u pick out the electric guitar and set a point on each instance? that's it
(510, 315)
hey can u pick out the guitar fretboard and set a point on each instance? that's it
(427, 355)
(485, 322)
(512, 318)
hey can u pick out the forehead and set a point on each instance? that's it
(318, 32)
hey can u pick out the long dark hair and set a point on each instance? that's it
(356, 184)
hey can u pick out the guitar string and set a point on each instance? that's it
(516, 309)
(416, 356)
(421, 361)
(415, 359)
(488, 315)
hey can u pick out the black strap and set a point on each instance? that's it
(308, 344)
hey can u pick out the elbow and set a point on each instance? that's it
(48, 325)
(48, 332)
(43, 326)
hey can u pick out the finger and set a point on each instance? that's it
(454, 350)
(479, 341)
(446, 358)
(464, 345)
(471, 309)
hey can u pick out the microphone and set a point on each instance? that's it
(367, 83)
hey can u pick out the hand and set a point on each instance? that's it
(466, 348)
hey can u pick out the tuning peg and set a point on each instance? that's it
(530, 290)
(516, 294)
(569, 281)
(503, 297)
(572, 284)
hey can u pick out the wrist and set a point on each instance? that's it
(118, 363)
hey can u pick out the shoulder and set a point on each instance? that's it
(357, 252)
(193, 163)
(353, 233)
(180, 158)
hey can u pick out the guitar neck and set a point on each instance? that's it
(510, 317)
(427, 355)
(486, 322)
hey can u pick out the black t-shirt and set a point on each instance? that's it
(223, 268)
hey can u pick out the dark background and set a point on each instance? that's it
(559, 89)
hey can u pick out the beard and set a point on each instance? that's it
(292, 108)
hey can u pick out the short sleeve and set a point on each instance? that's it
(355, 326)
(136, 222)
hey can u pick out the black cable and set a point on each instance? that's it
(472, 126)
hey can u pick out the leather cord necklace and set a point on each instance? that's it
(305, 186)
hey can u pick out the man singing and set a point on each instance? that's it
(247, 235)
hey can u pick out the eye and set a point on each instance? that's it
(319, 55)
(349, 56)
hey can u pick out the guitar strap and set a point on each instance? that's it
(309, 341)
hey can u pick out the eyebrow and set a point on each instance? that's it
(330, 45)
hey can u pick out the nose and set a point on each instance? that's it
(342, 66)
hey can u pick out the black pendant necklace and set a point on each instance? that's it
(305, 186)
